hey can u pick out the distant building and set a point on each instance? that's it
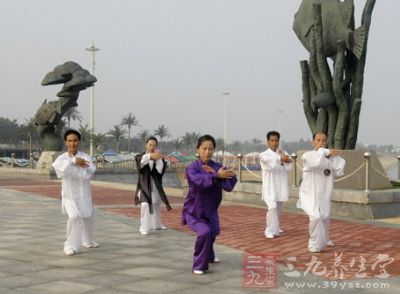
(21, 150)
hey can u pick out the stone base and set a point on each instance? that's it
(46, 159)
(355, 204)
(354, 159)
(27, 172)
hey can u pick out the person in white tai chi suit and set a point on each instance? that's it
(75, 169)
(149, 191)
(320, 167)
(275, 164)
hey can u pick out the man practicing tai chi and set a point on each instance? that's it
(275, 164)
(320, 167)
(75, 169)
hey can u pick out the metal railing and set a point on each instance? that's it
(101, 162)
(367, 165)
(13, 162)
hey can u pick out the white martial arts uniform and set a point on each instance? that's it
(76, 199)
(274, 188)
(315, 193)
(151, 221)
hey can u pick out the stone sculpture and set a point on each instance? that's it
(332, 98)
(48, 117)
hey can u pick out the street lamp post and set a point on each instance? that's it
(30, 150)
(280, 112)
(92, 49)
(226, 94)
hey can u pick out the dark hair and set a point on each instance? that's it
(151, 138)
(206, 138)
(313, 136)
(74, 132)
(273, 133)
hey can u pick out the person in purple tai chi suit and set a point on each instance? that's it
(206, 179)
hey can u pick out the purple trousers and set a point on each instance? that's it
(206, 230)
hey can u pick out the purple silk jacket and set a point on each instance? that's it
(205, 194)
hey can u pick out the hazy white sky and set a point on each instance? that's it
(168, 62)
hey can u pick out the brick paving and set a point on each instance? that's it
(242, 228)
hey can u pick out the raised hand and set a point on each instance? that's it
(156, 155)
(333, 152)
(208, 169)
(284, 158)
(81, 162)
(224, 173)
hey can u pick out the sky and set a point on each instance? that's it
(169, 61)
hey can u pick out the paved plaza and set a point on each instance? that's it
(366, 258)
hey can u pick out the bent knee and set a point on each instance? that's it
(74, 218)
(205, 232)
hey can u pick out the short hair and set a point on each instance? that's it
(273, 133)
(74, 132)
(206, 138)
(313, 136)
(151, 138)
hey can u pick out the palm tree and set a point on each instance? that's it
(129, 121)
(117, 133)
(61, 127)
(85, 133)
(190, 140)
(194, 136)
(72, 114)
(30, 131)
(98, 140)
(143, 134)
(162, 131)
(29, 125)
(30, 128)
(177, 143)
(220, 143)
(187, 140)
(255, 141)
(236, 146)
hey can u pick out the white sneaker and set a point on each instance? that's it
(216, 260)
(69, 251)
(313, 250)
(198, 272)
(162, 228)
(94, 244)
(330, 244)
(269, 236)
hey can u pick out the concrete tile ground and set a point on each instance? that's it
(32, 233)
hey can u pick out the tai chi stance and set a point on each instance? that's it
(274, 164)
(75, 168)
(206, 179)
(320, 167)
(149, 192)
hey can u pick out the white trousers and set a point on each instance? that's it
(319, 233)
(272, 219)
(79, 232)
(150, 221)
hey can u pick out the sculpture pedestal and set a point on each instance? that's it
(46, 159)
(354, 204)
(354, 175)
